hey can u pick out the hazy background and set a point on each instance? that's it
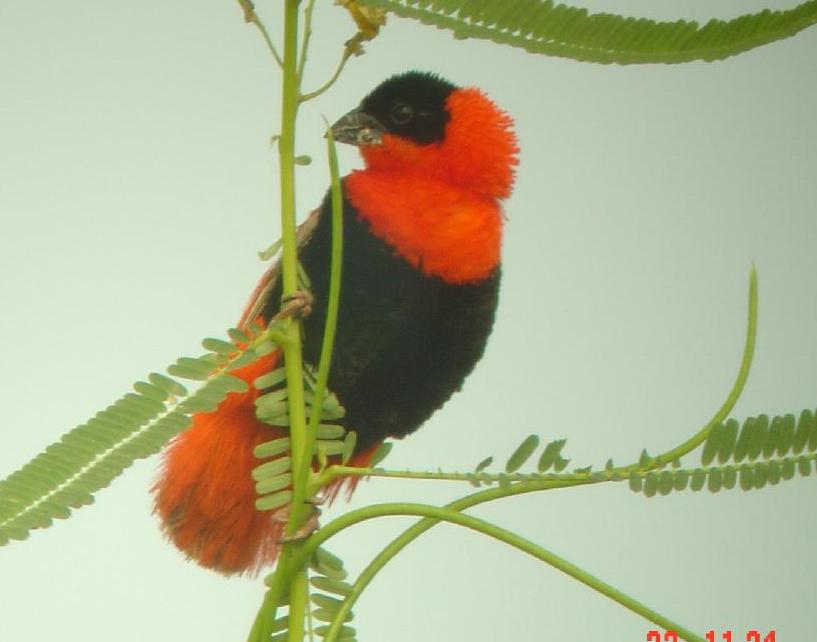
(137, 183)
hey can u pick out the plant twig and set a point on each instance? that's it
(314, 94)
(251, 17)
(737, 388)
(306, 38)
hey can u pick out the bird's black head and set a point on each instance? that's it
(411, 106)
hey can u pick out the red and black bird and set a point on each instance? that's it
(421, 270)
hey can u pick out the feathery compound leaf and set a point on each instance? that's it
(85, 460)
(522, 454)
(760, 436)
(540, 26)
(92, 455)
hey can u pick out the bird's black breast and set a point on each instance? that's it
(405, 341)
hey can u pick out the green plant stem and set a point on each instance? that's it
(314, 94)
(295, 579)
(332, 306)
(252, 17)
(740, 382)
(436, 514)
(310, 5)
(293, 361)
(298, 604)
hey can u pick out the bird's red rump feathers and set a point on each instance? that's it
(206, 495)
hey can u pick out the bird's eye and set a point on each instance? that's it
(401, 113)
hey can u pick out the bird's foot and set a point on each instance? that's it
(297, 305)
(309, 526)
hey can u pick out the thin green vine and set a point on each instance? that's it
(438, 514)
(252, 18)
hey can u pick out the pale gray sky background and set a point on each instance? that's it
(137, 183)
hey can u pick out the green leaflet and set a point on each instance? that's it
(349, 443)
(272, 448)
(274, 484)
(331, 586)
(522, 454)
(272, 468)
(484, 464)
(551, 455)
(271, 502)
(325, 563)
(219, 346)
(540, 26)
(381, 453)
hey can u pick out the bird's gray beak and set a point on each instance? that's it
(358, 128)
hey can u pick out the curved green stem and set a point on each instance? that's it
(740, 381)
(437, 514)
(314, 94)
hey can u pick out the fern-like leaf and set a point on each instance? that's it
(540, 26)
(761, 438)
(328, 576)
(88, 458)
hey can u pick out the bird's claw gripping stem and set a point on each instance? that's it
(309, 526)
(297, 305)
